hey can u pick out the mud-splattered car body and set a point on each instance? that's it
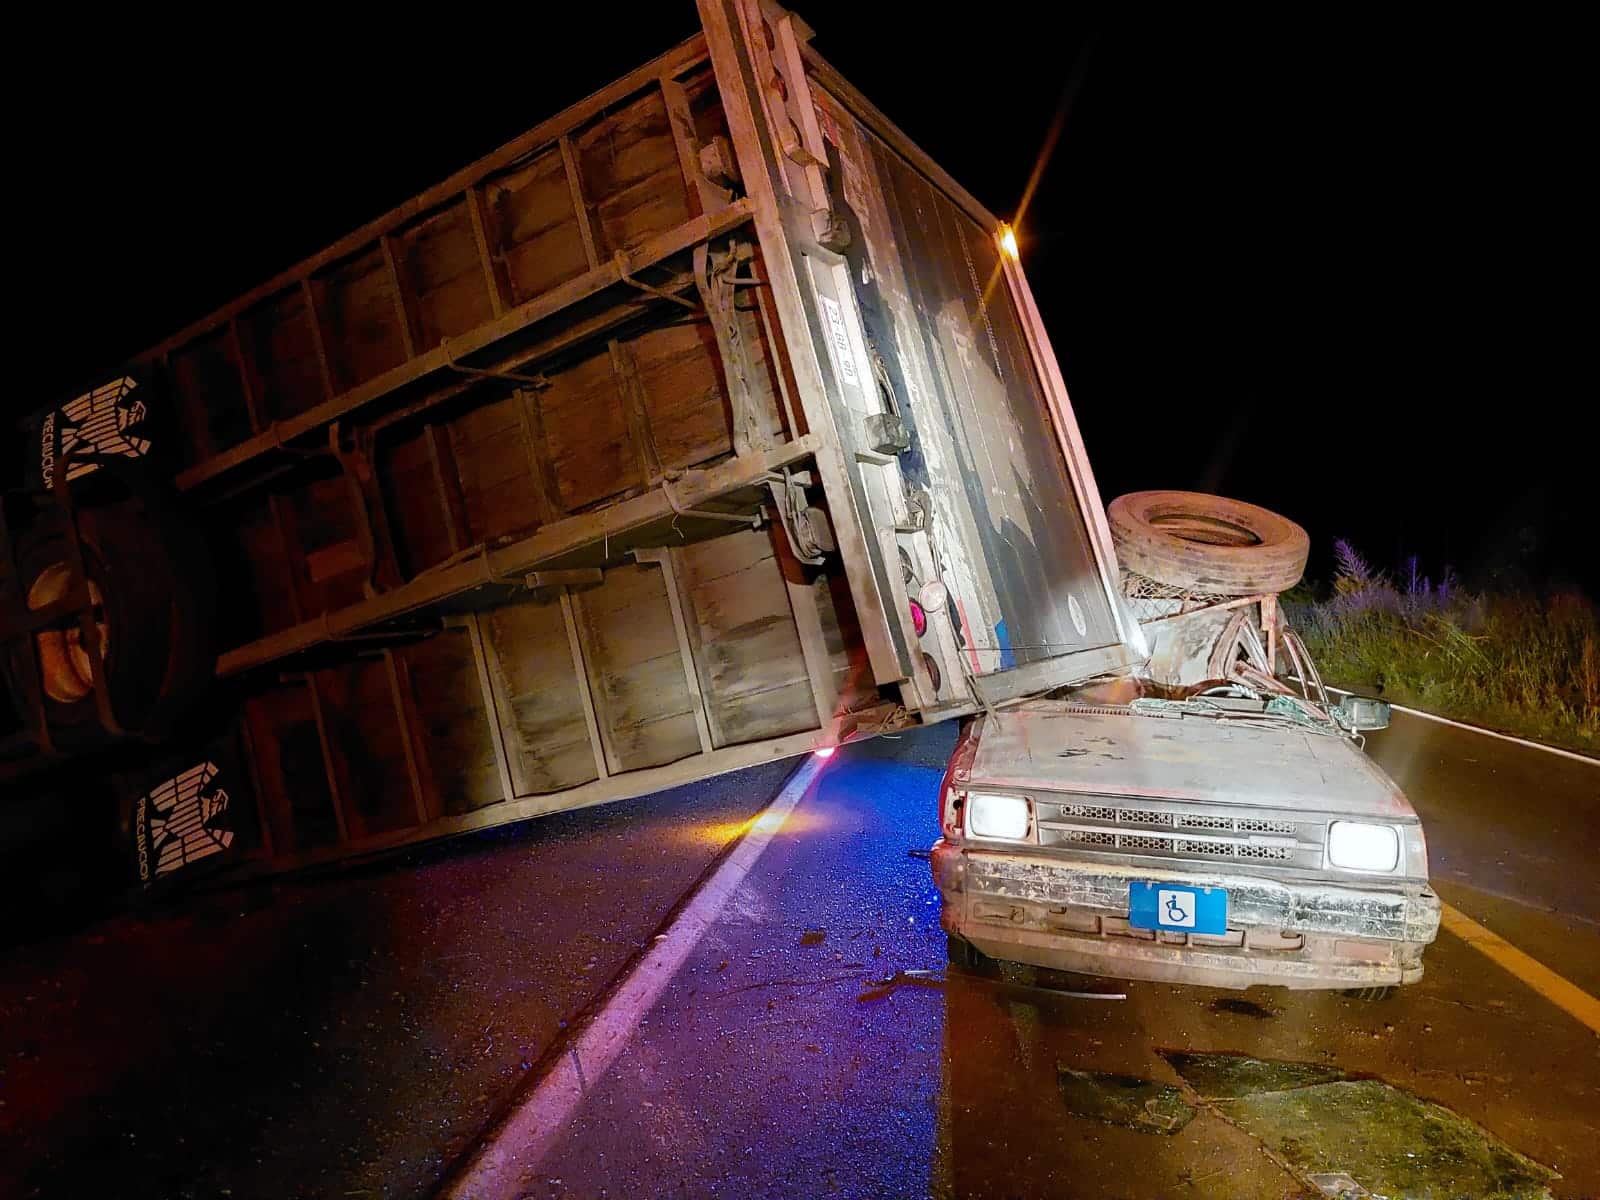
(1239, 808)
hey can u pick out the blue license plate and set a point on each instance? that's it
(1177, 907)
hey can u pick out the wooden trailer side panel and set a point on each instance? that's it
(453, 735)
(287, 749)
(746, 647)
(441, 275)
(646, 710)
(539, 695)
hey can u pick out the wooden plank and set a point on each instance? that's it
(246, 386)
(280, 349)
(749, 653)
(253, 771)
(686, 649)
(550, 543)
(327, 758)
(439, 358)
(208, 391)
(641, 696)
(369, 744)
(491, 274)
(601, 791)
(539, 698)
(418, 518)
(291, 766)
(440, 267)
(447, 480)
(407, 718)
(452, 729)
(546, 493)
(497, 485)
(631, 395)
(474, 627)
(676, 61)
(314, 321)
(533, 228)
(402, 309)
(293, 561)
(681, 395)
(580, 206)
(589, 434)
(580, 667)
(630, 173)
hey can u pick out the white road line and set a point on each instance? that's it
(514, 1149)
(1494, 733)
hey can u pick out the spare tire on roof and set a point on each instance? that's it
(1207, 543)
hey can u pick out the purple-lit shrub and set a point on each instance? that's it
(1513, 661)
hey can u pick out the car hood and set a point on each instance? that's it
(1057, 747)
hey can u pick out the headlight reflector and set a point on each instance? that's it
(1359, 847)
(992, 816)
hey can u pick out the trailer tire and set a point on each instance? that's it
(1206, 543)
(153, 594)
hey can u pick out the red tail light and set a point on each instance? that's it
(952, 789)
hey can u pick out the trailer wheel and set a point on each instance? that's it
(152, 611)
(1207, 543)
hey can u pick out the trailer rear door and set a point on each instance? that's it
(961, 459)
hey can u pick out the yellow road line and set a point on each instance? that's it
(1563, 993)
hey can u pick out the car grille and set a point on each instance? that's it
(1209, 834)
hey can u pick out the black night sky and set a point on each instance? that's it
(1325, 268)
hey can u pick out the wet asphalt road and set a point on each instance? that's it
(339, 1037)
(775, 1066)
(350, 1037)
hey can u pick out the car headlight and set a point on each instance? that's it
(1359, 847)
(1004, 817)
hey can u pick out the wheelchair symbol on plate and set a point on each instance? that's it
(1175, 908)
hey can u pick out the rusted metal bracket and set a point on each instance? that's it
(752, 520)
(533, 381)
(620, 263)
(583, 577)
(716, 278)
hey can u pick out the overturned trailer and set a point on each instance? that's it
(708, 422)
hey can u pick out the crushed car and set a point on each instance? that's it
(1200, 819)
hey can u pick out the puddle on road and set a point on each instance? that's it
(1242, 1008)
(1124, 1100)
(1360, 1137)
(1230, 1076)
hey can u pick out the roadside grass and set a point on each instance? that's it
(1509, 661)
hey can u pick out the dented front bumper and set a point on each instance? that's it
(1072, 915)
